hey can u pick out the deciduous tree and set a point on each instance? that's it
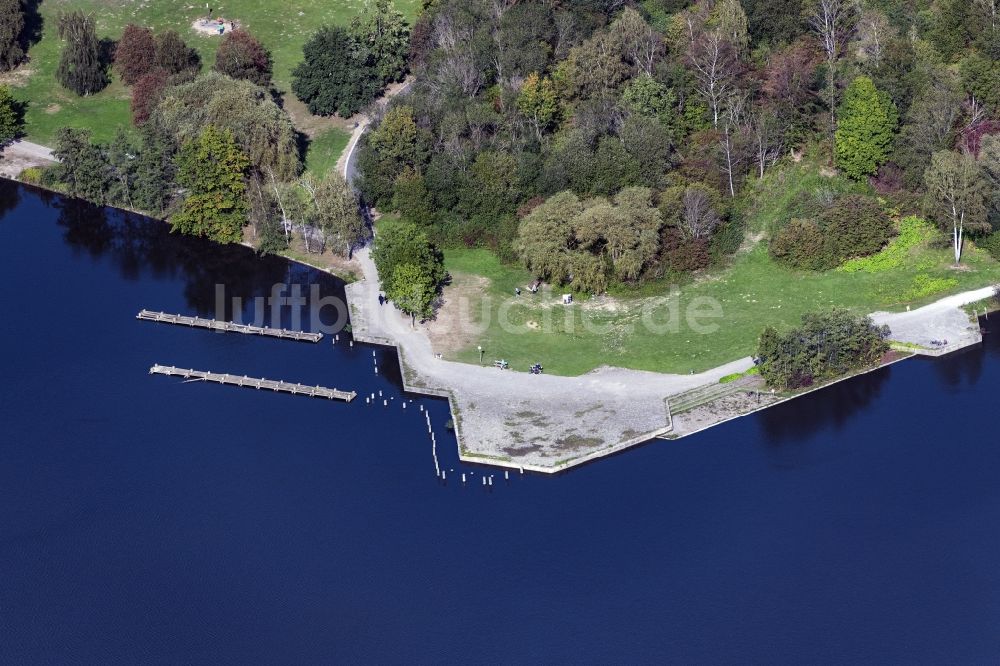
(334, 77)
(135, 54)
(383, 35)
(241, 56)
(11, 27)
(213, 169)
(956, 194)
(82, 168)
(81, 67)
(10, 116)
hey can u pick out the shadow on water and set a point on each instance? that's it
(138, 246)
(830, 407)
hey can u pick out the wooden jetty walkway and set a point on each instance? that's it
(228, 326)
(251, 382)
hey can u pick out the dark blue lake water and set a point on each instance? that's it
(143, 519)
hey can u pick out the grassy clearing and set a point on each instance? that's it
(282, 28)
(324, 151)
(751, 293)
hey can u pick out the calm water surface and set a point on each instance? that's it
(147, 520)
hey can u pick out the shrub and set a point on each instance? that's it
(855, 226)
(991, 244)
(913, 231)
(683, 255)
(827, 345)
(801, 245)
(31, 175)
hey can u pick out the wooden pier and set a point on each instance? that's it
(251, 382)
(228, 326)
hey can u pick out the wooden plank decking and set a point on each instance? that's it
(251, 382)
(227, 326)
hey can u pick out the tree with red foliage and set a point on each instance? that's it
(135, 54)
(146, 93)
(241, 56)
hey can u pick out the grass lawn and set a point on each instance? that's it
(325, 149)
(751, 292)
(283, 27)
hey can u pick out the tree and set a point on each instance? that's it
(730, 19)
(153, 174)
(545, 237)
(713, 60)
(827, 345)
(147, 93)
(132, 55)
(384, 36)
(400, 244)
(10, 116)
(81, 67)
(989, 158)
(412, 290)
(213, 169)
(11, 27)
(538, 102)
(395, 145)
(865, 129)
(956, 195)
(241, 56)
(336, 212)
(82, 168)
(774, 21)
(174, 56)
(333, 76)
(930, 125)
(261, 128)
(833, 22)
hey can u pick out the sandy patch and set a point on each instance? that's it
(455, 328)
(17, 77)
(53, 109)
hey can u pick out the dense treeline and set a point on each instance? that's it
(529, 120)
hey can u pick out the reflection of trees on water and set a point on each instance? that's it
(830, 407)
(140, 247)
(10, 196)
(963, 368)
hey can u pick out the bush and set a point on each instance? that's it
(31, 175)
(827, 345)
(855, 226)
(991, 244)
(913, 231)
(801, 245)
(851, 226)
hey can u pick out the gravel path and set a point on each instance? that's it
(20, 155)
(939, 322)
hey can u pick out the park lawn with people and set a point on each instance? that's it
(752, 289)
(283, 31)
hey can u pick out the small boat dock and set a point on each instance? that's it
(252, 382)
(227, 326)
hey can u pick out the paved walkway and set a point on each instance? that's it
(20, 155)
(940, 322)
